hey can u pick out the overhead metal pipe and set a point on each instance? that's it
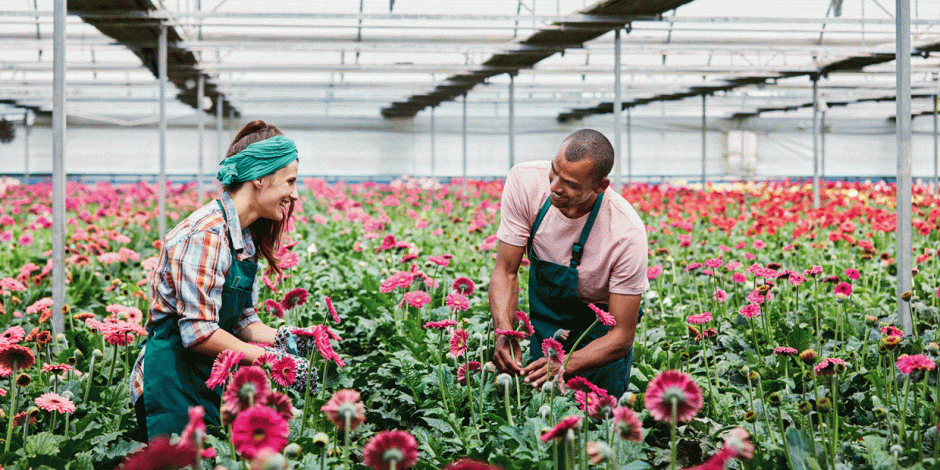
(58, 170)
(815, 144)
(904, 183)
(618, 109)
(161, 181)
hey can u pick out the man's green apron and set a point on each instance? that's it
(554, 304)
(175, 376)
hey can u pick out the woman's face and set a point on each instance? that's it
(277, 191)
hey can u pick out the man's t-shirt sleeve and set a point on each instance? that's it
(628, 273)
(515, 217)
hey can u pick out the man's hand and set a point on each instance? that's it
(535, 373)
(507, 355)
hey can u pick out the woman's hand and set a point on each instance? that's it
(306, 376)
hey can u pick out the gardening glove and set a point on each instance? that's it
(285, 340)
(306, 376)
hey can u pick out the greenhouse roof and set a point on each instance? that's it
(363, 59)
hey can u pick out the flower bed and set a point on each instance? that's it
(767, 314)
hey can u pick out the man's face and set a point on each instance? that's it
(572, 183)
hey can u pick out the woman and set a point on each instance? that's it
(202, 296)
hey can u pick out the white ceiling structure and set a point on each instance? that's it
(296, 59)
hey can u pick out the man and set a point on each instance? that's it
(585, 244)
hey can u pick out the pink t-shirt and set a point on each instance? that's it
(615, 253)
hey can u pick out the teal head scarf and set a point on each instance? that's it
(258, 159)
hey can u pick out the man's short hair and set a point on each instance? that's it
(590, 144)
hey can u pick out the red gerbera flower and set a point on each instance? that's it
(274, 308)
(470, 464)
(249, 385)
(673, 386)
(322, 335)
(54, 402)
(342, 405)
(458, 342)
(284, 371)
(259, 428)
(195, 430)
(750, 310)
(222, 367)
(281, 403)
(295, 298)
(387, 446)
(15, 357)
(462, 371)
(560, 429)
(843, 290)
(464, 286)
(521, 317)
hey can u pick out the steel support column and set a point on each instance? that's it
(433, 156)
(618, 110)
(200, 127)
(704, 136)
(219, 154)
(822, 145)
(904, 183)
(161, 181)
(512, 116)
(28, 127)
(936, 148)
(58, 169)
(815, 143)
(464, 132)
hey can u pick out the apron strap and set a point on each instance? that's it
(578, 249)
(538, 219)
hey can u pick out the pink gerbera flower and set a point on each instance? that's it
(56, 368)
(15, 357)
(345, 404)
(417, 299)
(785, 351)
(653, 272)
(670, 387)
(331, 309)
(457, 301)
(284, 371)
(628, 424)
(852, 274)
(750, 310)
(222, 367)
(720, 296)
(458, 342)
(195, 430)
(259, 428)
(295, 298)
(322, 335)
(464, 286)
(274, 308)
(604, 317)
(280, 403)
(54, 402)
(391, 446)
(830, 366)
(553, 351)
(440, 325)
(12, 335)
(159, 453)
(843, 290)
(443, 260)
(700, 318)
(521, 317)
(909, 363)
(891, 331)
(560, 429)
(249, 385)
(462, 371)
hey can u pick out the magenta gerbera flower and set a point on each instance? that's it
(160, 453)
(605, 317)
(628, 424)
(560, 429)
(417, 299)
(322, 335)
(259, 428)
(222, 367)
(553, 351)
(331, 309)
(295, 298)
(342, 405)
(440, 325)
(511, 333)
(464, 286)
(54, 402)
(388, 446)
(274, 308)
(248, 386)
(457, 301)
(458, 342)
(830, 366)
(843, 290)
(785, 351)
(521, 317)
(750, 310)
(852, 274)
(671, 387)
(284, 371)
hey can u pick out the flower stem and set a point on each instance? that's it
(783, 435)
(835, 418)
(902, 437)
(347, 418)
(14, 389)
(708, 374)
(440, 372)
(90, 378)
(507, 401)
(303, 420)
(113, 361)
(672, 432)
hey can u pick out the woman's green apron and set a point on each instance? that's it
(554, 304)
(175, 376)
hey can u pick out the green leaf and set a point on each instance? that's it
(800, 446)
(44, 443)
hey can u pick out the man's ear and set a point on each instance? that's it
(257, 182)
(602, 185)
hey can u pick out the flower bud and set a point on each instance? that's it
(503, 380)
(824, 405)
(808, 356)
(489, 367)
(97, 354)
(547, 387)
(599, 452)
(805, 407)
(880, 413)
(292, 450)
(774, 399)
(545, 412)
(750, 416)
(320, 440)
(627, 399)
(906, 296)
